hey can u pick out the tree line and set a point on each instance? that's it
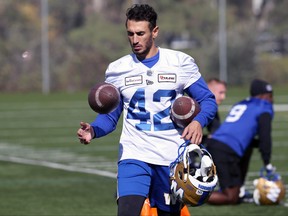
(86, 35)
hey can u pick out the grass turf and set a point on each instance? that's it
(43, 128)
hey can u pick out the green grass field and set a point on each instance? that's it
(45, 171)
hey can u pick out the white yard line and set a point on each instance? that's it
(13, 154)
(57, 166)
(277, 107)
(58, 159)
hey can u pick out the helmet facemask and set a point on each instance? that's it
(193, 176)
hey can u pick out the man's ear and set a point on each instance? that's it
(155, 32)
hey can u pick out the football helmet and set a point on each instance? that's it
(269, 189)
(193, 175)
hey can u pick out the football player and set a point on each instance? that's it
(219, 89)
(149, 80)
(231, 144)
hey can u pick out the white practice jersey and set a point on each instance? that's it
(148, 133)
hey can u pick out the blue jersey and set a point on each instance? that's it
(241, 124)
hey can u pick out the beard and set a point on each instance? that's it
(142, 51)
(141, 54)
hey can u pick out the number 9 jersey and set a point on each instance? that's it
(242, 123)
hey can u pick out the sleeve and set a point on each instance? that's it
(214, 124)
(200, 92)
(265, 139)
(106, 123)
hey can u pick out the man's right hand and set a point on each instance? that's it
(270, 170)
(85, 133)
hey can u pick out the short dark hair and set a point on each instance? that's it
(142, 12)
(214, 79)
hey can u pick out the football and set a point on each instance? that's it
(103, 98)
(183, 111)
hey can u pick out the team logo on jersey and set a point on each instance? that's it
(134, 80)
(169, 77)
(149, 82)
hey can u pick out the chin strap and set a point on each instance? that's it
(181, 150)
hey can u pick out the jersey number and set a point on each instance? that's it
(236, 112)
(137, 111)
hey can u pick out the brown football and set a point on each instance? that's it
(103, 98)
(183, 111)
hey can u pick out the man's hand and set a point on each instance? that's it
(85, 133)
(193, 132)
(270, 170)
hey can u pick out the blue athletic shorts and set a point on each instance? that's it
(148, 180)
